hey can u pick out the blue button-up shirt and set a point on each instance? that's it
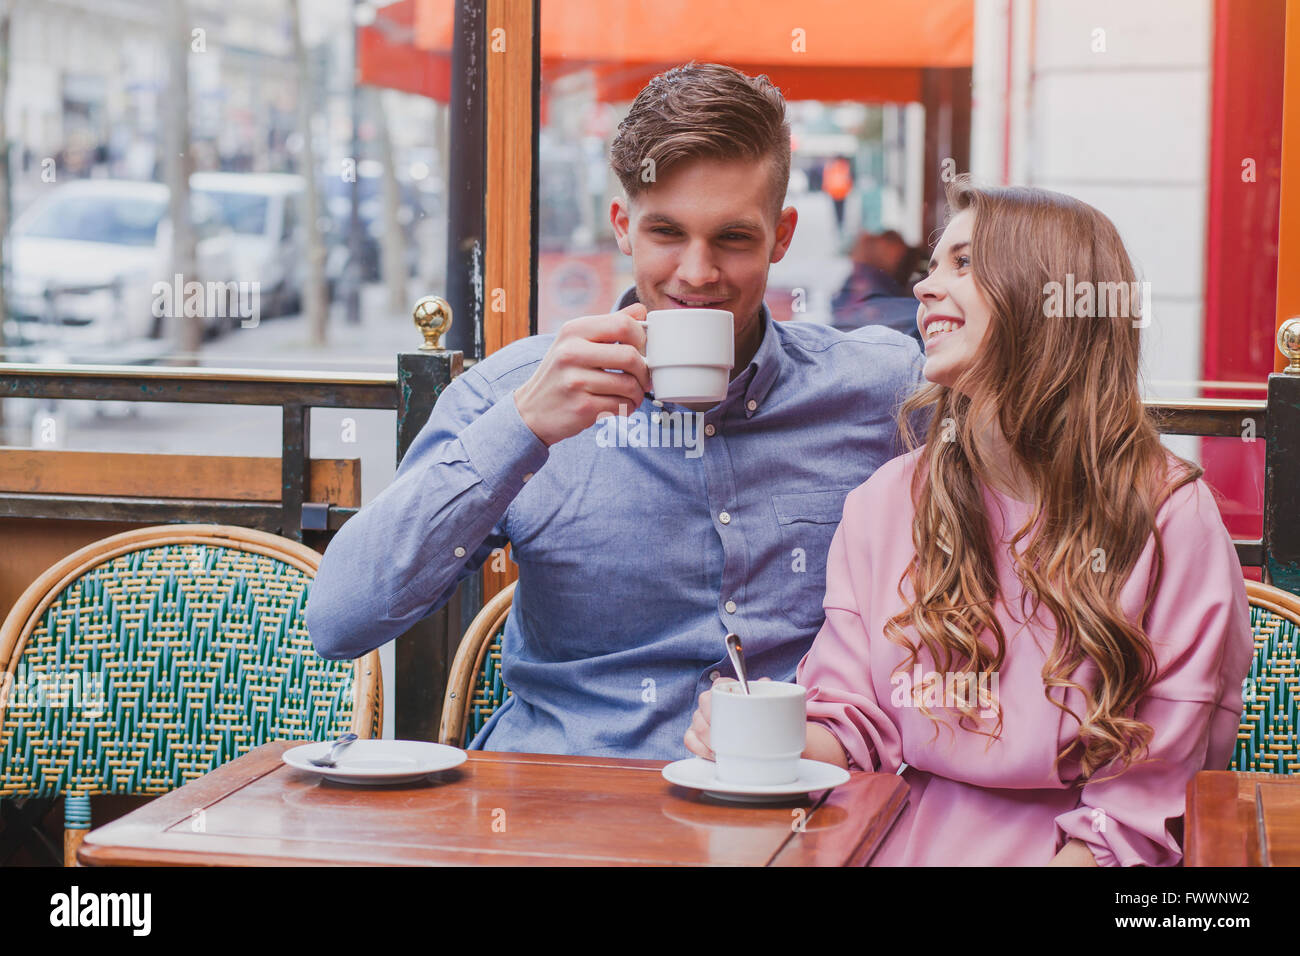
(640, 541)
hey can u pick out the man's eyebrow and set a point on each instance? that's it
(658, 218)
(956, 247)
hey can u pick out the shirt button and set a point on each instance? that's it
(709, 430)
(731, 607)
(725, 518)
(714, 675)
(527, 476)
(751, 404)
(459, 552)
(656, 403)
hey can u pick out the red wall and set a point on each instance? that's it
(1242, 238)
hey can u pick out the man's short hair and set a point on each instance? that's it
(702, 111)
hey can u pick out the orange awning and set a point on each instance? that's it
(872, 51)
(867, 33)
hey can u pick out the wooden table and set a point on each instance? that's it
(1242, 819)
(497, 808)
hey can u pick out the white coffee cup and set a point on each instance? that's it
(759, 738)
(690, 353)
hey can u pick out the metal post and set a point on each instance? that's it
(425, 652)
(295, 468)
(466, 225)
(1282, 467)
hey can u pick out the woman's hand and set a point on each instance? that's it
(697, 735)
(1074, 853)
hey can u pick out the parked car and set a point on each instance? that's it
(85, 259)
(265, 212)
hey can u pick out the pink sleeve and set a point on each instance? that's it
(836, 670)
(1199, 627)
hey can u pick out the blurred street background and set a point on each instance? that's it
(265, 182)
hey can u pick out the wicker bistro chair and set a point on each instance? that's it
(149, 658)
(1267, 739)
(474, 688)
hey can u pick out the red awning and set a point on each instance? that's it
(388, 57)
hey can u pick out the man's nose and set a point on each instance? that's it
(696, 267)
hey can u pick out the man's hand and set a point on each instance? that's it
(572, 387)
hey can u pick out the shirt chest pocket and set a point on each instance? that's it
(807, 522)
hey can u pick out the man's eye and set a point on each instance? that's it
(735, 235)
(664, 230)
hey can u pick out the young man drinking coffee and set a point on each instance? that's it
(636, 557)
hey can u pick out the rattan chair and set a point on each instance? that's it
(1267, 739)
(475, 689)
(1266, 742)
(149, 658)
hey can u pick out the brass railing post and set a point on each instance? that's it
(425, 652)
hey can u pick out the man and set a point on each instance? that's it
(641, 539)
(876, 291)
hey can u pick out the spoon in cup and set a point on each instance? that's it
(737, 654)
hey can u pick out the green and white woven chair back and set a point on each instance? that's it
(489, 693)
(1266, 740)
(160, 664)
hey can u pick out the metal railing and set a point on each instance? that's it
(425, 653)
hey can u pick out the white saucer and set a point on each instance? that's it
(699, 774)
(377, 761)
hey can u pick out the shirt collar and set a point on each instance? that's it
(759, 376)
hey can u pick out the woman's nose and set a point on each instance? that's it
(927, 288)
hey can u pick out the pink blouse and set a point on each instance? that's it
(1006, 805)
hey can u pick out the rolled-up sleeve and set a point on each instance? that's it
(836, 670)
(1199, 627)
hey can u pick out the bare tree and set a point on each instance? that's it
(315, 300)
(179, 163)
(394, 253)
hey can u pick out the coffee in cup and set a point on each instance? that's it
(758, 738)
(690, 354)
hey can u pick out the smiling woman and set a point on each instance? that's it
(954, 313)
(1042, 538)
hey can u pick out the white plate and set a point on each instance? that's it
(377, 761)
(700, 774)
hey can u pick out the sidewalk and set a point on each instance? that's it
(284, 342)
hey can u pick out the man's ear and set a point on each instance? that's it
(619, 218)
(785, 224)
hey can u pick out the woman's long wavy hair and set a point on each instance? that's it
(1064, 392)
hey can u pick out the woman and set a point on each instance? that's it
(1038, 613)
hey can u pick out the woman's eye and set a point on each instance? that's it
(963, 262)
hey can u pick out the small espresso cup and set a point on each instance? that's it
(758, 738)
(690, 353)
